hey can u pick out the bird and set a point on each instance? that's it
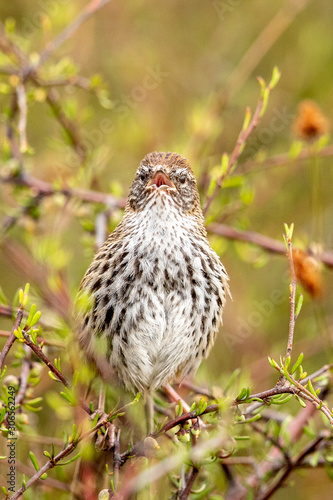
(155, 290)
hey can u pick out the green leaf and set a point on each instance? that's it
(3, 373)
(299, 305)
(112, 417)
(311, 388)
(247, 118)
(57, 364)
(232, 380)
(274, 364)
(179, 409)
(298, 363)
(35, 318)
(275, 77)
(253, 419)
(329, 470)
(31, 314)
(71, 460)
(193, 406)
(3, 298)
(202, 407)
(282, 401)
(136, 399)
(18, 333)
(295, 149)
(68, 397)
(34, 460)
(287, 362)
(224, 163)
(33, 408)
(301, 402)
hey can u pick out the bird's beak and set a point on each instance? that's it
(160, 179)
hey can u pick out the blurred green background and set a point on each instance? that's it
(178, 76)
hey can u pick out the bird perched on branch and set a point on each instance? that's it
(156, 289)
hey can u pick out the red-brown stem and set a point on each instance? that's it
(242, 138)
(292, 299)
(11, 338)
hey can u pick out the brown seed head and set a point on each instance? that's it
(308, 272)
(310, 123)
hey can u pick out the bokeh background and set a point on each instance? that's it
(178, 76)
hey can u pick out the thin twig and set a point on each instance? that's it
(189, 484)
(70, 29)
(68, 125)
(292, 297)
(23, 111)
(260, 240)
(53, 343)
(294, 463)
(63, 454)
(47, 189)
(25, 370)
(116, 459)
(11, 338)
(283, 159)
(241, 140)
(38, 351)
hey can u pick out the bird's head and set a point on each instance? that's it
(169, 175)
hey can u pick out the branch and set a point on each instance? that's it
(11, 338)
(38, 351)
(53, 343)
(190, 481)
(284, 159)
(294, 463)
(86, 13)
(68, 125)
(240, 143)
(64, 453)
(25, 370)
(292, 296)
(260, 240)
(22, 122)
(47, 189)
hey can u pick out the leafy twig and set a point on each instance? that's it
(64, 453)
(260, 240)
(47, 189)
(292, 289)
(85, 14)
(11, 338)
(248, 127)
(291, 465)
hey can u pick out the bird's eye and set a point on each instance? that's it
(182, 179)
(143, 176)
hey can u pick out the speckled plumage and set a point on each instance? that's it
(157, 287)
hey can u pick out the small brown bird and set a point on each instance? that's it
(157, 288)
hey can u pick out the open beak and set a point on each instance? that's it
(160, 179)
